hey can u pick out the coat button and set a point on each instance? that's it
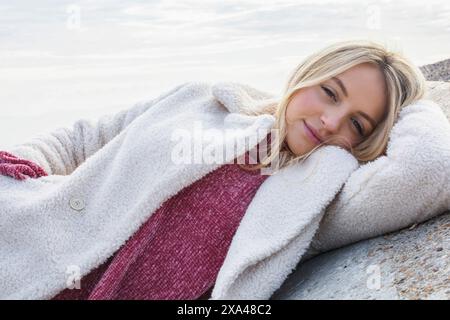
(76, 204)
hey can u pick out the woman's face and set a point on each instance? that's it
(350, 110)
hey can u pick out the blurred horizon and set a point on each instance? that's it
(61, 60)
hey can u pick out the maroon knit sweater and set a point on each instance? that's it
(178, 252)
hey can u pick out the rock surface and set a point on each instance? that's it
(412, 263)
(438, 71)
(409, 264)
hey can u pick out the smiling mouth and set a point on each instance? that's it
(310, 134)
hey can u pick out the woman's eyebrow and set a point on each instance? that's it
(368, 118)
(341, 85)
(344, 90)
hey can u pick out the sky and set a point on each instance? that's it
(61, 61)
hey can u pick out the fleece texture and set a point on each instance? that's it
(178, 252)
(106, 179)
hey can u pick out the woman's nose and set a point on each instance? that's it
(331, 122)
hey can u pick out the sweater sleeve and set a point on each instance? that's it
(61, 151)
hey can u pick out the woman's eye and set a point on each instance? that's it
(330, 94)
(358, 127)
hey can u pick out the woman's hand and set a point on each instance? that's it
(18, 168)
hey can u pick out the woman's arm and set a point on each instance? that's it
(64, 149)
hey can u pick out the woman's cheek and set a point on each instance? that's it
(313, 102)
(307, 103)
(295, 109)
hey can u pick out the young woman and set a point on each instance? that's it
(348, 94)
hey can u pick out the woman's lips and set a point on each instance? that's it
(310, 134)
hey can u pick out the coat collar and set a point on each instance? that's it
(279, 224)
(242, 98)
(284, 214)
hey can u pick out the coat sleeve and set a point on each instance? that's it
(61, 151)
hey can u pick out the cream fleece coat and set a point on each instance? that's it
(106, 179)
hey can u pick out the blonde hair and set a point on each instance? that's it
(405, 84)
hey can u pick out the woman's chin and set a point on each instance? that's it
(297, 147)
